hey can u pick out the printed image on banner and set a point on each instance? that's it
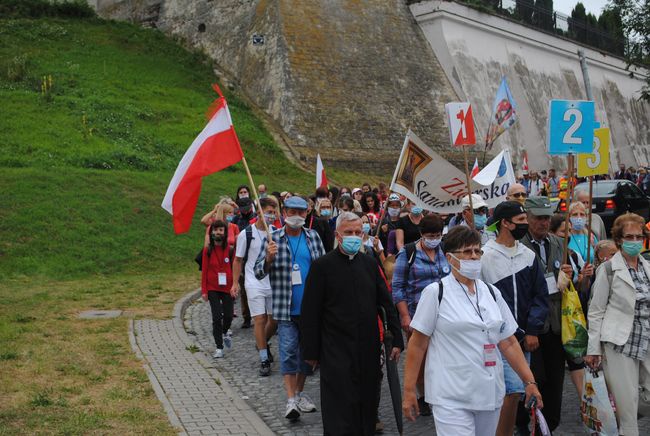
(596, 163)
(504, 114)
(461, 124)
(570, 127)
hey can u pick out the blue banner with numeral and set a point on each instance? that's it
(571, 125)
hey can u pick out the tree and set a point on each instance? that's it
(524, 10)
(635, 19)
(611, 25)
(578, 23)
(543, 14)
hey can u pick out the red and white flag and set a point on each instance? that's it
(216, 148)
(321, 178)
(524, 165)
(475, 169)
(461, 123)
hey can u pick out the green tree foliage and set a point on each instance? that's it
(524, 10)
(543, 15)
(635, 19)
(611, 24)
(578, 23)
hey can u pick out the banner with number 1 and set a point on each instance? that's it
(597, 162)
(461, 124)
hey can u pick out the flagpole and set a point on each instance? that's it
(260, 214)
(469, 187)
(591, 191)
(569, 198)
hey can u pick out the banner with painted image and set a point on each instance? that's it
(504, 114)
(430, 181)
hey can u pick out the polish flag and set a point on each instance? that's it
(524, 165)
(475, 170)
(321, 178)
(216, 148)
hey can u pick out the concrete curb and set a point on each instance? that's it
(160, 393)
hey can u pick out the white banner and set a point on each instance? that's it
(434, 184)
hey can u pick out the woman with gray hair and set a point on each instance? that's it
(580, 240)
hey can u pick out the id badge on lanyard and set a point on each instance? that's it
(222, 279)
(296, 278)
(490, 354)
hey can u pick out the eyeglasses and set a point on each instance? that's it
(470, 252)
(520, 195)
(633, 237)
(481, 211)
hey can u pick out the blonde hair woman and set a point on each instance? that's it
(579, 237)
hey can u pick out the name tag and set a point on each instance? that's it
(551, 284)
(296, 278)
(490, 354)
(223, 280)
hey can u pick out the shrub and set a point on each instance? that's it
(45, 8)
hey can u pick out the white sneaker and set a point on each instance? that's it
(218, 354)
(305, 404)
(292, 412)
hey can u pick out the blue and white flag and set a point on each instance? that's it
(504, 114)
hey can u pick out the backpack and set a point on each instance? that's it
(441, 289)
(249, 240)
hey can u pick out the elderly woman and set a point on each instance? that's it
(579, 236)
(462, 324)
(619, 321)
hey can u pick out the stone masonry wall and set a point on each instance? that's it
(343, 78)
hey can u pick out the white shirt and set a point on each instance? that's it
(250, 282)
(455, 375)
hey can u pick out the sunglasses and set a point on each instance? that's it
(520, 195)
(481, 211)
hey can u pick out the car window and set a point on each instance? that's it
(625, 190)
(635, 191)
(600, 189)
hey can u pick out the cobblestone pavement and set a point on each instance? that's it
(266, 394)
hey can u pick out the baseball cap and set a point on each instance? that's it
(355, 190)
(477, 202)
(505, 210)
(539, 206)
(295, 202)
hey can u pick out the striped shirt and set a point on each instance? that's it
(280, 270)
(636, 346)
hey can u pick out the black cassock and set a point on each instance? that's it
(339, 328)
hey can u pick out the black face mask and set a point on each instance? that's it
(519, 231)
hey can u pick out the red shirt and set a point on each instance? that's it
(218, 262)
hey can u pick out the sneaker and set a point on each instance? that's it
(227, 341)
(305, 404)
(229, 332)
(425, 409)
(265, 369)
(218, 354)
(268, 352)
(292, 413)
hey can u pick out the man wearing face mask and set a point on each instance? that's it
(287, 259)
(514, 269)
(258, 292)
(478, 216)
(417, 266)
(339, 330)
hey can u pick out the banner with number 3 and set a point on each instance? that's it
(596, 163)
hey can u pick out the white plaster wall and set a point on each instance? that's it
(475, 49)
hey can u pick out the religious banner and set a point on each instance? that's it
(504, 114)
(434, 184)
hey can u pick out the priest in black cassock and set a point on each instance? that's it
(339, 329)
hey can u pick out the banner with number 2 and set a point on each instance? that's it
(596, 163)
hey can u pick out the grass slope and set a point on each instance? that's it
(83, 170)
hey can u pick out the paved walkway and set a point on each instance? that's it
(226, 396)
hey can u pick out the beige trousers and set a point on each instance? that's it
(624, 376)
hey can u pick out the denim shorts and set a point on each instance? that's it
(514, 385)
(289, 345)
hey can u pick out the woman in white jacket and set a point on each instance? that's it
(619, 321)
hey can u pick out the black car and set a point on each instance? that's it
(612, 198)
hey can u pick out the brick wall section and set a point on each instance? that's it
(343, 78)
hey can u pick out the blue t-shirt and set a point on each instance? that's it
(578, 243)
(299, 255)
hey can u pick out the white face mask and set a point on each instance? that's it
(432, 243)
(469, 268)
(393, 211)
(295, 222)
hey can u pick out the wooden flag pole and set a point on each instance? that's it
(260, 214)
(565, 252)
(469, 188)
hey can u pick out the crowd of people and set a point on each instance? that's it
(476, 296)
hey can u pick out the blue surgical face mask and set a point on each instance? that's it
(416, 210)
(325, 212)
(632, 248)
(229, 218)
(480, 221)
(577, 223)
(351, 244)
(366, 228)
(269, 217)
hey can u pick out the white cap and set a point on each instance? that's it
(477, 202)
